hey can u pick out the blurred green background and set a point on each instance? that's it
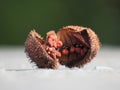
(19, 17)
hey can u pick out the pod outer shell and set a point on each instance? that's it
(35, 49)
(92, 40)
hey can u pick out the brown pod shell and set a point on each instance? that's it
(85, 42)
(35, 49)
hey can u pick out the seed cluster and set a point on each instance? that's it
(52, 44)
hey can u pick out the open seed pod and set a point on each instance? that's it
(72, 46)
(80, 45)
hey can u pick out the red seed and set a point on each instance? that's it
(58, 54)
(54, 37)
(54, 45)
(59, 44)
(82, 52)
(72, 49)
(50, 49)
(77, 50)
(65, 52)
(50, 41)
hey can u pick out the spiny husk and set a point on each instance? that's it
(90, 37)
(35, 49)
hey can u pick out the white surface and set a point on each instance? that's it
(16, 72)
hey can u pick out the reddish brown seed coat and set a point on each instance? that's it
(65, 52)
(77, 50)
(59, 44)
(58, 54)
(72, 49)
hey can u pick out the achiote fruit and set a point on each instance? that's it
(72, 46)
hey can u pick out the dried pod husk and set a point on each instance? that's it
(80, 45)
(35, 47)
